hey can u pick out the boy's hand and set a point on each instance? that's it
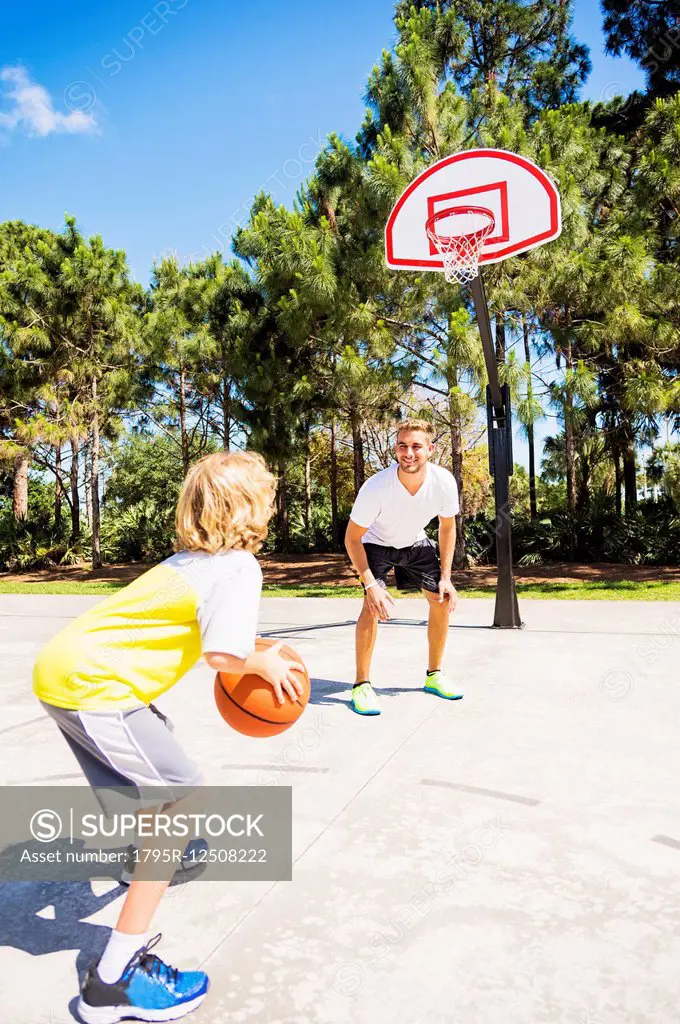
(278, 671)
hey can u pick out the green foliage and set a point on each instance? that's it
(144, 467)
(650, 535)
(36, 542)
(142, 532)
(306, 331)
(141, 497)
(648, 33)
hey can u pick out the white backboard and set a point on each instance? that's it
(522, 198)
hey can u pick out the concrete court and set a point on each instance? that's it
(512, 858)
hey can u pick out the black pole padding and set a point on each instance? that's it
(484, 324)
(490, 430)
(499, 423)
(505, 390)
(506, 612)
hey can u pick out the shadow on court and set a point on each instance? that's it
(69, 903)
(324, 692)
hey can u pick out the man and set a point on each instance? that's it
(385, 531)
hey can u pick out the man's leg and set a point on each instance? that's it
(366, 635)
(437, 633)
(437, 630)
(364, 699)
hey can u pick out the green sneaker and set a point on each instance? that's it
(364, 700)
(439, 683)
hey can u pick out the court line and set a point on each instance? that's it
(44, 778)
(39, 615)
(248, 913)
(667, 841)
(274, 631)
(527, 628)
(274, 766)
(20, 725)
(479, 791)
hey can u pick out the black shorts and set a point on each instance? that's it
(415, 568)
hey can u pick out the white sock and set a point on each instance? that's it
(119, 951)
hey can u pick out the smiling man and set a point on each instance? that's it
(387, 531)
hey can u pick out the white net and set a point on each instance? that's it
(460, 250)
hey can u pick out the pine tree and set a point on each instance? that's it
(648, 31)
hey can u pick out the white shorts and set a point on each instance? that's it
(134, 748)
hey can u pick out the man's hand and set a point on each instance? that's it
(447, 592)
(379, 603)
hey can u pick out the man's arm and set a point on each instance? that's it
(377, 598)
(447, 546)
(356, 552)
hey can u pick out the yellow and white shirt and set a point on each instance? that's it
(140, 641)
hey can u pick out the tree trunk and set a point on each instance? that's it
(500, 337)
(629, 470)
(57, 486)
(586, 465)
(226, 414)
(459, 555)
(583, 496)
(94, 481)
(569, 446)
(569, 451)
(20, 487)
(335, 525)
(358, 446)
(617, 480)
(533, 505)
(75, 498)
(308, 478)
(183, 416)
(282, 523)
(88, 480)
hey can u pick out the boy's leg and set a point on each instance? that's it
(145, 893)
(129, 980)
(120, 749)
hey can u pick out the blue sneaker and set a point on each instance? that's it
(147, 990)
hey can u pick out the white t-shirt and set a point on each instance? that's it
(395, 518)
(228, 586)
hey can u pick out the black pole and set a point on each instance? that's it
(499, 421)
(484, 324)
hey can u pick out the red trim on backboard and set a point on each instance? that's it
(552, 232)
(501, 186)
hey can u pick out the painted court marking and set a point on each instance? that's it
(274, 765)
(513, 798)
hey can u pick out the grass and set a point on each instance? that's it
(10, 587)
(608, 590)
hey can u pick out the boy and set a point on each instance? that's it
(98, 677)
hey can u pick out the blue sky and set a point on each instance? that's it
(155, 124)
(198, 104)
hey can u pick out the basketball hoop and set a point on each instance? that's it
(460, 252)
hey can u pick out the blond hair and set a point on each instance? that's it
(426, 426)
(226, 501)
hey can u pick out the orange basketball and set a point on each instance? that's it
(249, 704)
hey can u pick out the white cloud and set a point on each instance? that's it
(31, 108)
